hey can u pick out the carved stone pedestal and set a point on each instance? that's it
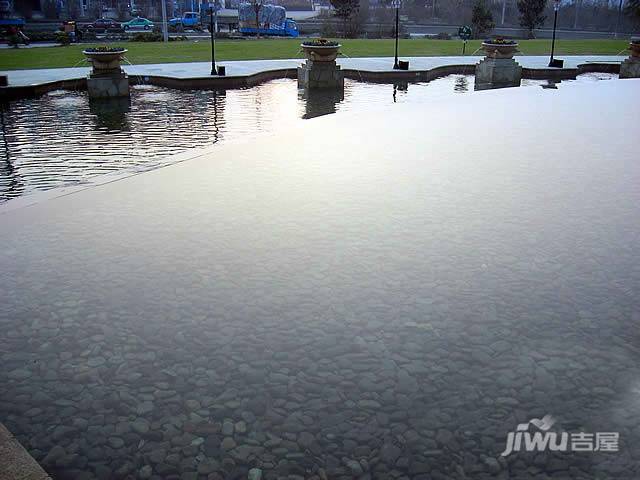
(314, 74)
(106, 86)
(497, 73)
(630, 68)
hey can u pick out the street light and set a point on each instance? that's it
(396, 5)
(618, 18)
(552, 61)
(165, 28)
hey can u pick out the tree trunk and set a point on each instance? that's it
(257, 8)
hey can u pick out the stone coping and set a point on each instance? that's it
(15, 461)
(250, 80)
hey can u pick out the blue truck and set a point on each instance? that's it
(188, 20)
(271, 20)
(9, 21)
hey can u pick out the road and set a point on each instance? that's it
(419, 30)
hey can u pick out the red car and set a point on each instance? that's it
(103, 25)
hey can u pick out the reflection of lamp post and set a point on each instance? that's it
(396, 5)
(213, 41)
(556, 7)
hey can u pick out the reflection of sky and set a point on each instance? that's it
(62, 139)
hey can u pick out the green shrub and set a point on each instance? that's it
(328, 28)
(63, 38)
(146, 37)
(155, 37)
(116, 37)
(42, 36)
(13, 40)
(482, 19)
(88, 36)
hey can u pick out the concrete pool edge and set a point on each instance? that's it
(17, 464)
(253, 79)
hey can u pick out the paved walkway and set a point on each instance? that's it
(15, 461)
(248, 67)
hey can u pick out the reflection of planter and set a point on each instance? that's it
(634, 46)
(321, 53)
(499, 50)
(105, 63)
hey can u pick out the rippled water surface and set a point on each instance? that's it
(63, 139)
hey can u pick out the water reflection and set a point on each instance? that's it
(110, 114)
(9, 178)
(399, 87)
(551, 84)
(492, 86)
(320, 102)
(59, 139)
(462, 84)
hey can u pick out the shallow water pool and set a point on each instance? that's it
(64, 139)
(363, 296)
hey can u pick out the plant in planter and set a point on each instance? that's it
(499, 47)
(105, 60)
(105, 50)
(321, 50)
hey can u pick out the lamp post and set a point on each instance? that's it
(165, 28)
(618, 18)
(396, 5)
(214, 71)
(556, 7)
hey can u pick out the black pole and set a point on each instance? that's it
(553, 40)
(618, 19)
(213, 46)
(395, 63)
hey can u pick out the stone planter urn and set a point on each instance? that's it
(321, 53)
(107, 79)
(499, 50)
(498, 69)
(320, 70)
(106, 62)
(630, 68)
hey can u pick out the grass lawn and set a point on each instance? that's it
(252, 49)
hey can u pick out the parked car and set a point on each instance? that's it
(102, 25)
(138, 23)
